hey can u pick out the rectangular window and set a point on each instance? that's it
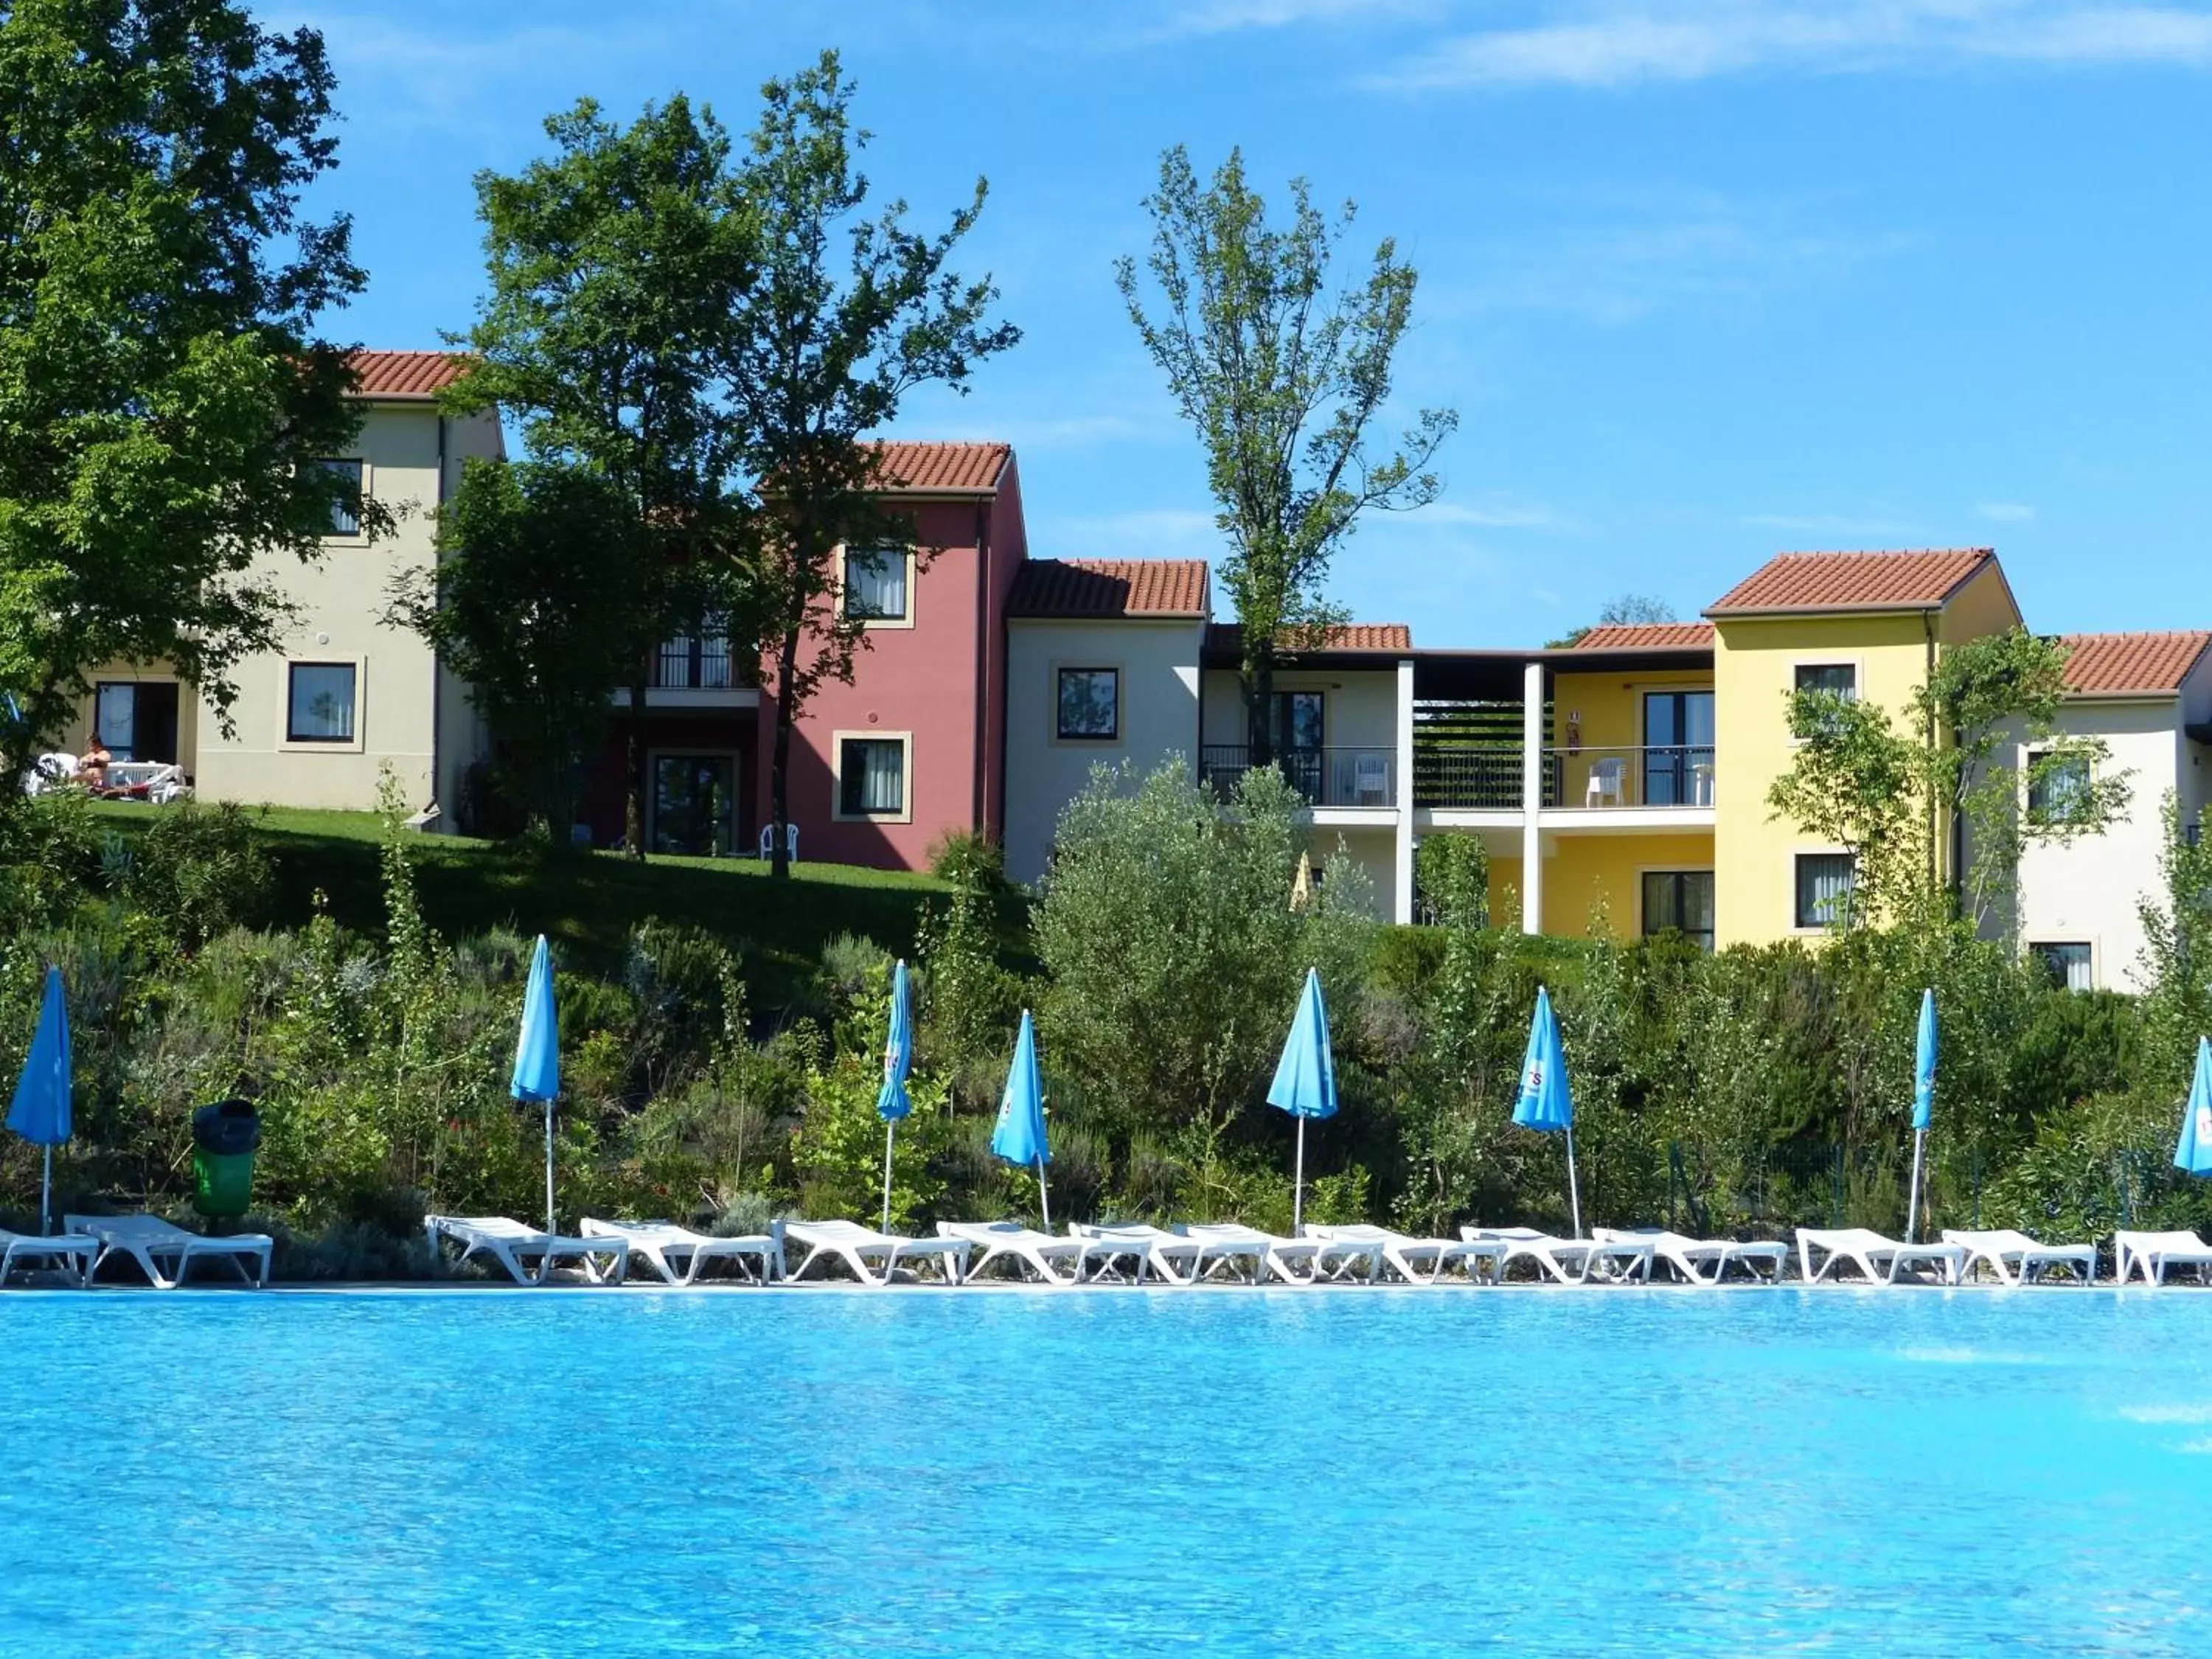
(702, 664)
(2058, 787)
(1838, 679)
(1824, 889)
(871, 777)
(694, 804)
(345, 516)
(2067, 965)
(1679, 902)
(319, 707)
(1297, 723)
(875, 585)
(1090, 704)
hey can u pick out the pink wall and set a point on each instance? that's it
(922, 680)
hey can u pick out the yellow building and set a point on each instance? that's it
(1869, 625)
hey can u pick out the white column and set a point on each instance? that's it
(1401, 793)
(1532, 798)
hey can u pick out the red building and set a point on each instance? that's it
(880, 768)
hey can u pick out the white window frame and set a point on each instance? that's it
(837, 742)
(1088, 665)
(286, 744)
(360, 537)
(913, 589)
(2096, 957)
(1821, 659)
(2028, 754)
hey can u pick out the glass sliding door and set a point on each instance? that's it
(1680, 901)
(1296, 726)
(694, 804)
(1678, 749)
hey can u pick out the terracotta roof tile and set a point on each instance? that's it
(944, 469)
(1228, 638)
(1108, 587)
(1649, 636)
(1911, 581)
(406, 376)
(2132, 665)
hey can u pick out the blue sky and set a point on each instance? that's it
(1706, 279)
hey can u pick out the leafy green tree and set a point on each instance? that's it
(615, 270)
(1283, 381)
(819, 357)
(2175, 972)
(1935, 809)
(164, 397)
(1173, 952)
(533, 605)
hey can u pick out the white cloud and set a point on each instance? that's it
(1496, 513)
(1606, 43)
(2005, 512)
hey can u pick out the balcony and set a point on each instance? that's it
(1671, 775)
(1487, 777)
(1330, 777)
(702, 672)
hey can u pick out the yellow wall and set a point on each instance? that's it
(1582, 868)
(1753, 660)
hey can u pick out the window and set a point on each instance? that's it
(137, 719)
(871, 777)
(1089, 705)
(875, 585)
(696, 665)
(2067, 965)
(2058, 787)
(345, 515)
(1296, 723)
(115, 719)
(1682, 902)
(1838, 679)
(1824, 889)
(320, 707)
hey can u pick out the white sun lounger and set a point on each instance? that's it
(1704, 1261)
(510, 1243)
(1570, 1260)
(1406, 1256)
(1054, 1258)
(1293, 1260)
(1153, 1250)
(72, 1253)
(677, 1254)
(2016, 1259)
(1881, 1260)
(2154, 1254)
(153, 1243)
(856, 1246)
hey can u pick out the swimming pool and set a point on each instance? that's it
(1240, 1471)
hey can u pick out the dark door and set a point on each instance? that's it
(694, 806)
(1295, 725)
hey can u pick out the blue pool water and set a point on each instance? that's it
(1235, 1472)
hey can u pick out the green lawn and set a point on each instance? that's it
(587, 901)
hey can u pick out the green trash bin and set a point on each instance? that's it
(225, 1137)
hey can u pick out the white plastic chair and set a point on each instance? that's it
(1608, 782)
(790, 841)
(1371, 780)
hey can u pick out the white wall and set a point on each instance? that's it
(406, 708)
(2089, 891)
(1159, 672)
(1359, 706)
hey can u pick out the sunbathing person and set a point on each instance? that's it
(91, 765)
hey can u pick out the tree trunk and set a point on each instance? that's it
(786, 670)
(634, 802)
(1258, 706)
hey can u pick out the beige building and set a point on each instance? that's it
(315, 722)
